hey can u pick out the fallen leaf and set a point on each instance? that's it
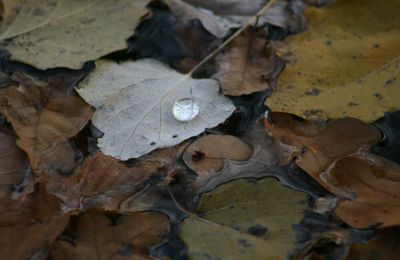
(384, 246)
(64, 33)
(251, 220)
(219, 17)
(97, 238)
(231, 158)
(45, 115)
(29, 225)
(345, 64)
(106, 183)
(207, 154)
(174, 39)
(134, 103)
(248, 65)
(13, 163)
(317, 146)
(371, 186)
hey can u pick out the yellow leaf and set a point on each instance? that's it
(66, 33)
(345, 64)
(245, 220)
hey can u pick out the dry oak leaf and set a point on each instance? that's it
(97, 238)
(317, 146)
(45, 115)
(13, 163)
(346, 64)
(30, 225)
(66, 33)
(134, 101)
(106, 183)
(227, 216)
(248, 65)
(371, 186)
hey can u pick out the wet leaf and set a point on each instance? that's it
(315, 146)
(13, 163)
(29, 225)
(207, 154)
(134, 103)
(97, 238)
(65, 33)
(219, 16)
(45, 115)
(345, 64)
(174, 39)
(248, 65)
(384, 246)
(106, 183)
(242, 219)
(227, 158)
(371, 187)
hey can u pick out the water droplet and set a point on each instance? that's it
(185, 110)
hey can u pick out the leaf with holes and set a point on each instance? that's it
(134, 101)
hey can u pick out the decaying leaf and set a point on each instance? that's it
(371, 186)
(335, 156)
(345, 64)
(384, 246)
(65, 33)
(13, 163)
(173, 39)
(249, 65)
(29, 225)
(244, 220)
(134, 103)
(45, 115)
(207, 154)
(106, 183)
(317, 146)
(219, 16)
(97, 238)
(218, 159)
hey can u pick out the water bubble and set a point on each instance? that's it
(185, 110)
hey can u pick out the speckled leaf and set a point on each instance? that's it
(345, 64)
(55, 33)
(134, 103)
(244, 220)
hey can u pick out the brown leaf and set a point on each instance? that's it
(372, 187)
(319, 145)
(29, 225)
(97, 238)
(384, 246)
(207, 154)
(227, 158)
(248, 65)
(107, 183)
(13, 163)
(44, 115)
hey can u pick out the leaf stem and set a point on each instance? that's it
(233, 36)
